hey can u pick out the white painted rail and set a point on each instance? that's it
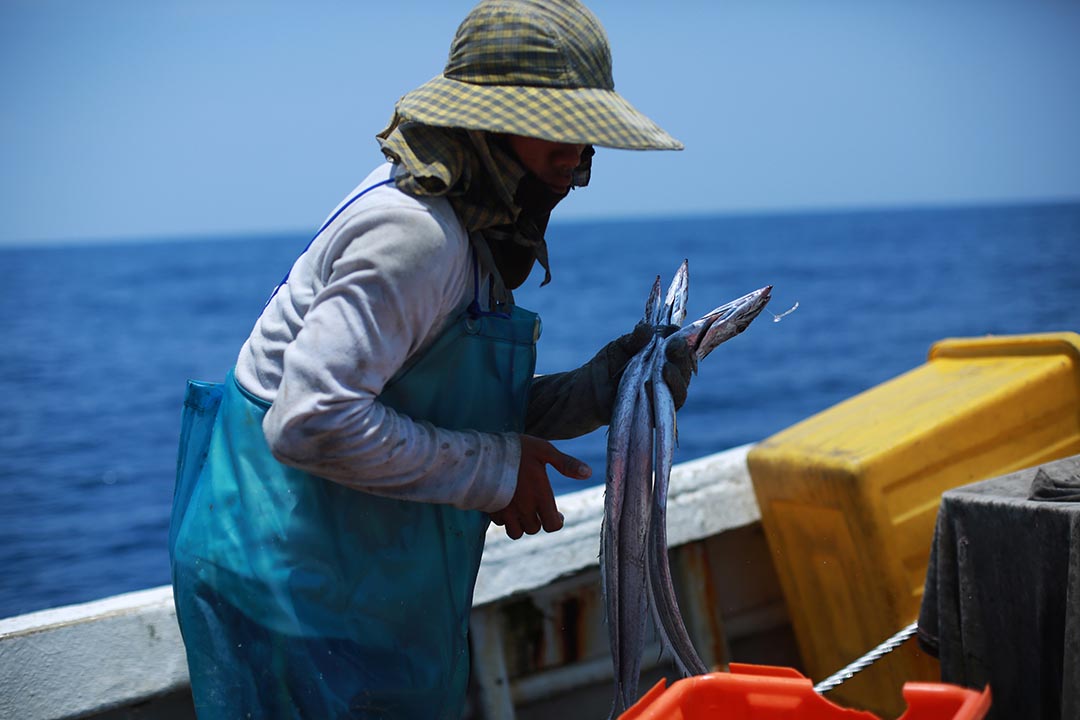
(84, 659)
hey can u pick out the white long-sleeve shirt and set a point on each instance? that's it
(375, 288)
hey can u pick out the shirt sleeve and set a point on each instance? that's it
(393, 278)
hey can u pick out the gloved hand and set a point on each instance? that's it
(679, 365)
(571, 404)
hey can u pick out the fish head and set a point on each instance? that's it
(730, 319)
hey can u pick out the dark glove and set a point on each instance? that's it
(571, 404)
(679, 365)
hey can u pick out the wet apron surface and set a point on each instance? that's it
(299, 597)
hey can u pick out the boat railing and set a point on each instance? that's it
(537, 628)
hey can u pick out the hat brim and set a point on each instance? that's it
(589, 116)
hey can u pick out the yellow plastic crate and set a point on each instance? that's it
(849, 497)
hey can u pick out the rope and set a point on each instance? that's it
(866, 660)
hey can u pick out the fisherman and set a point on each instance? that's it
(333, 493)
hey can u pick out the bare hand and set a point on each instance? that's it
(533, 505)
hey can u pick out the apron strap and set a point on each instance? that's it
(325, 225)
(474, 309)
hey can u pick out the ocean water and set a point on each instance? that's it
(98, 341)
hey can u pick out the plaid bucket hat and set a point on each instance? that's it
(537, 68)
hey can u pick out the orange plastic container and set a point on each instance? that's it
(765, 692)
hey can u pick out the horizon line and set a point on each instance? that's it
(786, 211)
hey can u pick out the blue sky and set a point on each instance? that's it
(133, 119)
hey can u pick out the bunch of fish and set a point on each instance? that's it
(641, 442)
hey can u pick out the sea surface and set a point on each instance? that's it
(98, 341)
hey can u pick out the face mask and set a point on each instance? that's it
(584, 170)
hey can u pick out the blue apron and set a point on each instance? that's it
(300, 598)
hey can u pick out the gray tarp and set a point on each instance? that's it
(1002, 594)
